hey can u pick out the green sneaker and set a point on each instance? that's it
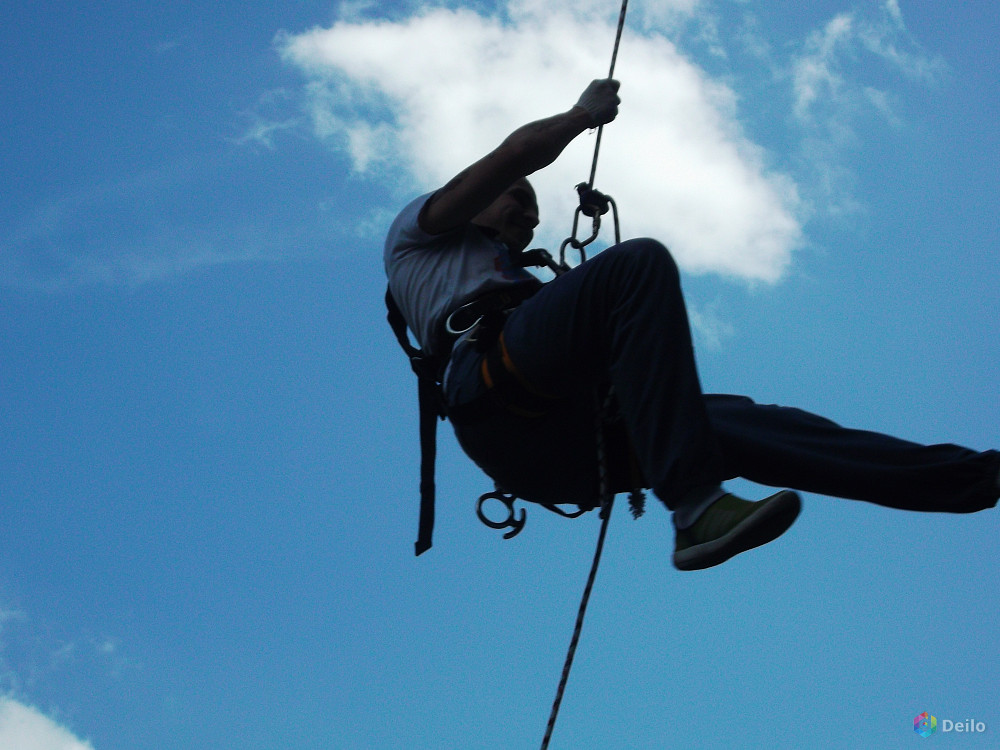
(732, 525)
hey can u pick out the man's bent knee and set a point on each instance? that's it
(647, 257)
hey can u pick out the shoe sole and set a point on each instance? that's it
(776, 515)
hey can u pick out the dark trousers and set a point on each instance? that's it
(620, 319)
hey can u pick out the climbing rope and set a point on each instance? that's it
(571, 654)
(593, 204)
(611, 74)
(607, 498)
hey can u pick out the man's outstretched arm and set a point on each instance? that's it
(526, 150)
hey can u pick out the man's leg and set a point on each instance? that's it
(620, 318)
(787, 447)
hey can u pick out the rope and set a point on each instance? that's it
(606, 514)
(611, 74)
(606, 495)
(607, 498)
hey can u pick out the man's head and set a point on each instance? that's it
(513, 216)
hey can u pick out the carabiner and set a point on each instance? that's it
(513, 522)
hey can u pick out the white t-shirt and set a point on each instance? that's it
(430, 275)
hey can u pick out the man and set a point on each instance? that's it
(522, 400)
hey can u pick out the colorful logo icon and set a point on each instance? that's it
(924, 724)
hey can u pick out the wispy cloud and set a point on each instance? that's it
(828, 74)
(815, 98)
(145, 226)
(422, 97)
(839, 80)
(816, 73)
(262, 131)
(709, 326)
(268, 118)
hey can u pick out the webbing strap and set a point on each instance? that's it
(429, 399)
(427, 394)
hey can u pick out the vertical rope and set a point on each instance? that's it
(618, 38)
(607, 499)
(611, 74)
(606, 513)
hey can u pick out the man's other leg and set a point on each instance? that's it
(787, 447)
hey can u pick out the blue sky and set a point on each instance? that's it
(209, 462)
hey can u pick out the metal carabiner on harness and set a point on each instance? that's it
(516, 517)
(595, 204)
(513, 522)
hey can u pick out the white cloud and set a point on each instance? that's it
(25, 728)
(434, 92)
